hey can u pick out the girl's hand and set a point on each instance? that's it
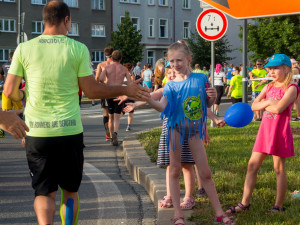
(220, 123)
(211, 92)
(206, 139)
(129, 107)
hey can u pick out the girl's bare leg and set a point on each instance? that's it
(189, 179)
(250, 181)
(279, 167)
(199, 155)
(175, 169)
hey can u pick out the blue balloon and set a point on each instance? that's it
(239, 115)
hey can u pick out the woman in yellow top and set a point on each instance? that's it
(236, 86)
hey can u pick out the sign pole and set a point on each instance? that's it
(19, 22)
(245, 50)
(212, 124)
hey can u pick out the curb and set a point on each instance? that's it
(151, 177)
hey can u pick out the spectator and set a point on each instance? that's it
(197, 69)
(137, 71)
(147, 76)
(257, 87)
(236, 86)
(296, 71)
(219, 80)
(158, 73)
(204, 71)
(228, 76)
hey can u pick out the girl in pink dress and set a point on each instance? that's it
(275, 135)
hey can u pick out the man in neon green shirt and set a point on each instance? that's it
(54, 66)
(257, 87)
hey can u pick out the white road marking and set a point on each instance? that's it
(108, 195)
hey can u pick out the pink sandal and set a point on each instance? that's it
(224, 219)
(166, 202)
(188, 203)
(174, 220)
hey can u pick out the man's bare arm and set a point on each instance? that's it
(94, 90)
(98, 72)
(103, 75)
(11, 87)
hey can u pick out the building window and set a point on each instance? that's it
(151, 27)
(186, 4)
(37, 27)
(163, 28)
(7, 25)
(135, 21)
(186, 30)
(98, 30)
(98, 4)
(98, 56)
(72, 3)
(130, 1)
(7, 0)
(74, 30)
(150, 58)
(4, 54)
(163, 2)
(39, 2)
(150, 2)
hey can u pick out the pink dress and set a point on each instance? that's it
(275, 134)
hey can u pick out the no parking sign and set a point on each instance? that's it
(212, 24)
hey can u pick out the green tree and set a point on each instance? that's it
(201, 50)
(127, 39)
(269, 36)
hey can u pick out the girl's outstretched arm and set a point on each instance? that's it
(288, 98)
(260, 103)
(158, 105)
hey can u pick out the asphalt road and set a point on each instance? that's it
(107, 194)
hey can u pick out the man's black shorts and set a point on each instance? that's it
(113, 106)
(103, 103)
(55, 161)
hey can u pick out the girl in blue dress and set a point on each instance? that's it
(184, 103)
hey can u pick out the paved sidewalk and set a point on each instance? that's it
(151, 177)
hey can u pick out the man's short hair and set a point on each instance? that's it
(138, 63)
(108, 51)
(11, 54)
(116, 56)
(260, 61)
(54, 12)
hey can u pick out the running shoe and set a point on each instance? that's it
(128, 128)
(115, 139)
(107, 138)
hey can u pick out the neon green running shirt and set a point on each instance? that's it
(51, 65)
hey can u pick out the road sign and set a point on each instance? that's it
(211, 24)
(243, 9)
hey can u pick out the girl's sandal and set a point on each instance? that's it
(275, 209)
(188, 203)
(166, 202)
(174, 220)
(224, 219)
(232, 209)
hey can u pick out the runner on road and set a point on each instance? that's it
(53, 65)
(114, 74)
(107, 51)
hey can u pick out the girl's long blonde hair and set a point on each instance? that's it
(288, 78)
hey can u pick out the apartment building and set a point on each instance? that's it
(91, 24)
(161, 22)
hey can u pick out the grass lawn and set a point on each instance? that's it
(228, 154)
